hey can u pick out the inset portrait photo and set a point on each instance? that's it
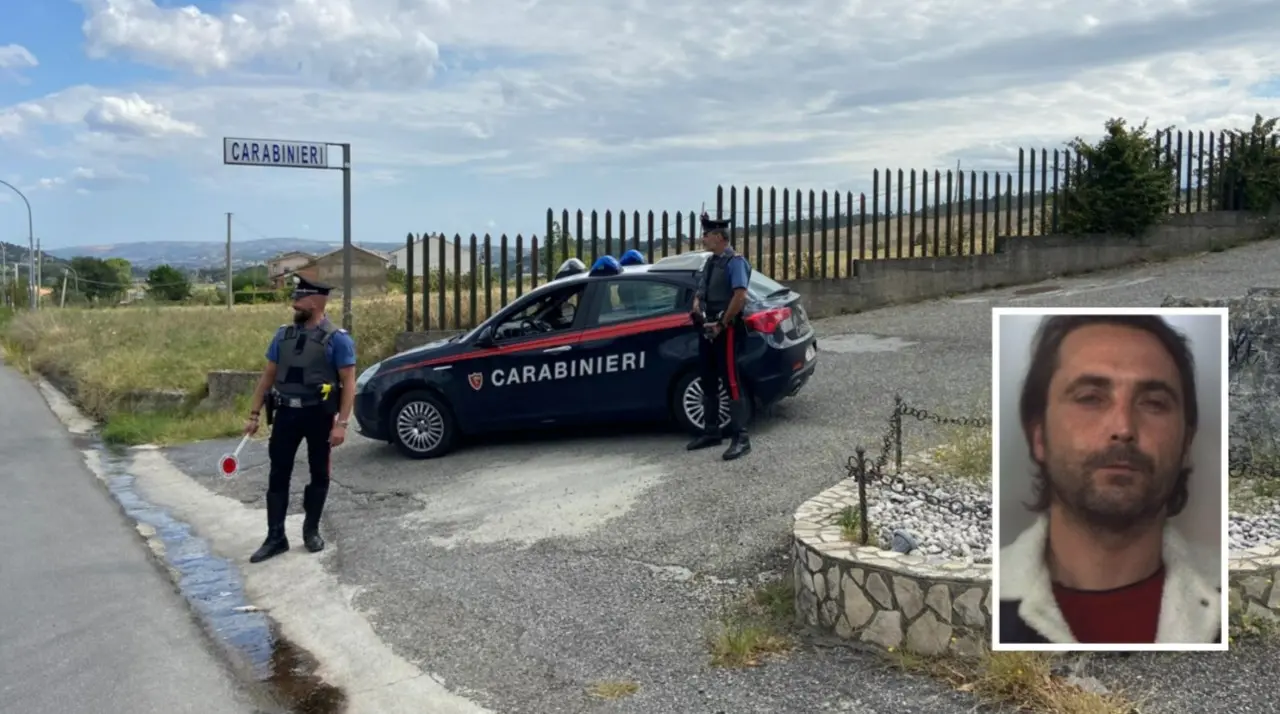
(1110, 479)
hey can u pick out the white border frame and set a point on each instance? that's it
(996, 313)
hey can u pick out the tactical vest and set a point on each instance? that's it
(304, 367)
(716, 289)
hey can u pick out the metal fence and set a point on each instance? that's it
(792, 234)
(868, 470)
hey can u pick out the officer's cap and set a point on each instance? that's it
(306, 288)
(715, 225)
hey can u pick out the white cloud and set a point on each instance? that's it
(134, 116)
(14, 58)
(86, 180)
(811, 93)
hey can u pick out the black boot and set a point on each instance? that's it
(277, 542)
(313, 498)
(741, 446)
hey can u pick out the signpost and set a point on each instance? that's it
(302, 155)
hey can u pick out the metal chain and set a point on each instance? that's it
(923, 415)
(875, 471)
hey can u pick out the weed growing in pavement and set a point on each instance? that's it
(756, 627)
(850, 521)
(613, 690)
(1023, 680)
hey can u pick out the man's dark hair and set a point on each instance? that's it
(1045, 354)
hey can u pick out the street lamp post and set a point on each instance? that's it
(31, 248)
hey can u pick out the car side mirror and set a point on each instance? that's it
(485, 338)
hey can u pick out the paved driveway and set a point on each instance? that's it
(523, 571)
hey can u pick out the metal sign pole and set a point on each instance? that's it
(347, 256)
(301, 155)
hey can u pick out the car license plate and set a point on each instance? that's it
(810, 353)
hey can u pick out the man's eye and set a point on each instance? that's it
(1089, 399)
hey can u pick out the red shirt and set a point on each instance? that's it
(1127, 615)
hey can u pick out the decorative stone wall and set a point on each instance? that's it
(929, 606)
(932, 606)
(1255, 581)
(1253, 328)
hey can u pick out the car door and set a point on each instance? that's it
(516, 380)
(634, 324)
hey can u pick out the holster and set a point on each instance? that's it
(269, 406)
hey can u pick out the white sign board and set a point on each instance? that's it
(271, 152)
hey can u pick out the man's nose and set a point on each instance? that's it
(1120, 421)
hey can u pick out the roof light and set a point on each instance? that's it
(606, 265)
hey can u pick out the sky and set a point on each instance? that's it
(478, 115)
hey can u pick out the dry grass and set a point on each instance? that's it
(966, 454)
(1023, 680)
(612, 690)
(110, 353)
(757, 627)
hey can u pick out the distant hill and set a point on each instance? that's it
(51, 265)
(195, 255)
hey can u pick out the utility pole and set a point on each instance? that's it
(4, 274)
(231, 299)
(39, 271)
(63, 302)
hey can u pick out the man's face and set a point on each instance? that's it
(712, 241)
(304, 308)
(1114, 437)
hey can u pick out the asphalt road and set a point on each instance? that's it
(523, 571)
(88, 623)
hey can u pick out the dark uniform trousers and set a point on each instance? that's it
(718, 368)
(292, 427)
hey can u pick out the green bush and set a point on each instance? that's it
(1125, 183)
(1247, 178)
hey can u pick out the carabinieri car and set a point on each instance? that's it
(605, 345)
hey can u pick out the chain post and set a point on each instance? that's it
(897, 432)
(862, 492)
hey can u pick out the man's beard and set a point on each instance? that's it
(301, 315)
(1111, 508)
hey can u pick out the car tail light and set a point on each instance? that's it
(768, 321)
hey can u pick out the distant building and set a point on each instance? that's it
(430, 245)
(368, 271)
(286, 263)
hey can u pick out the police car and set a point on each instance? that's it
(612, 344)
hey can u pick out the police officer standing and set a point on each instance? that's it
(717, 308)
(307, 388)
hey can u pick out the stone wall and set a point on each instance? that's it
(883, 598)
(225, 385)
(1253, 326)
(1023, 260)
(934, 607)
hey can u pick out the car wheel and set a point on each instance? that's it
(422, 426)
(687, 404)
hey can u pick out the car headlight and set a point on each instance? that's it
(365, 376)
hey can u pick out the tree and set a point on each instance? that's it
(1125, 184)
(96, 279)
(167, 283)
(1248, 176)
(124, 270)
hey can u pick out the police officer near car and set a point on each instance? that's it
(717, 312)
(307, 390)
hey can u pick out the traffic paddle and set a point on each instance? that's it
(229, 464)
